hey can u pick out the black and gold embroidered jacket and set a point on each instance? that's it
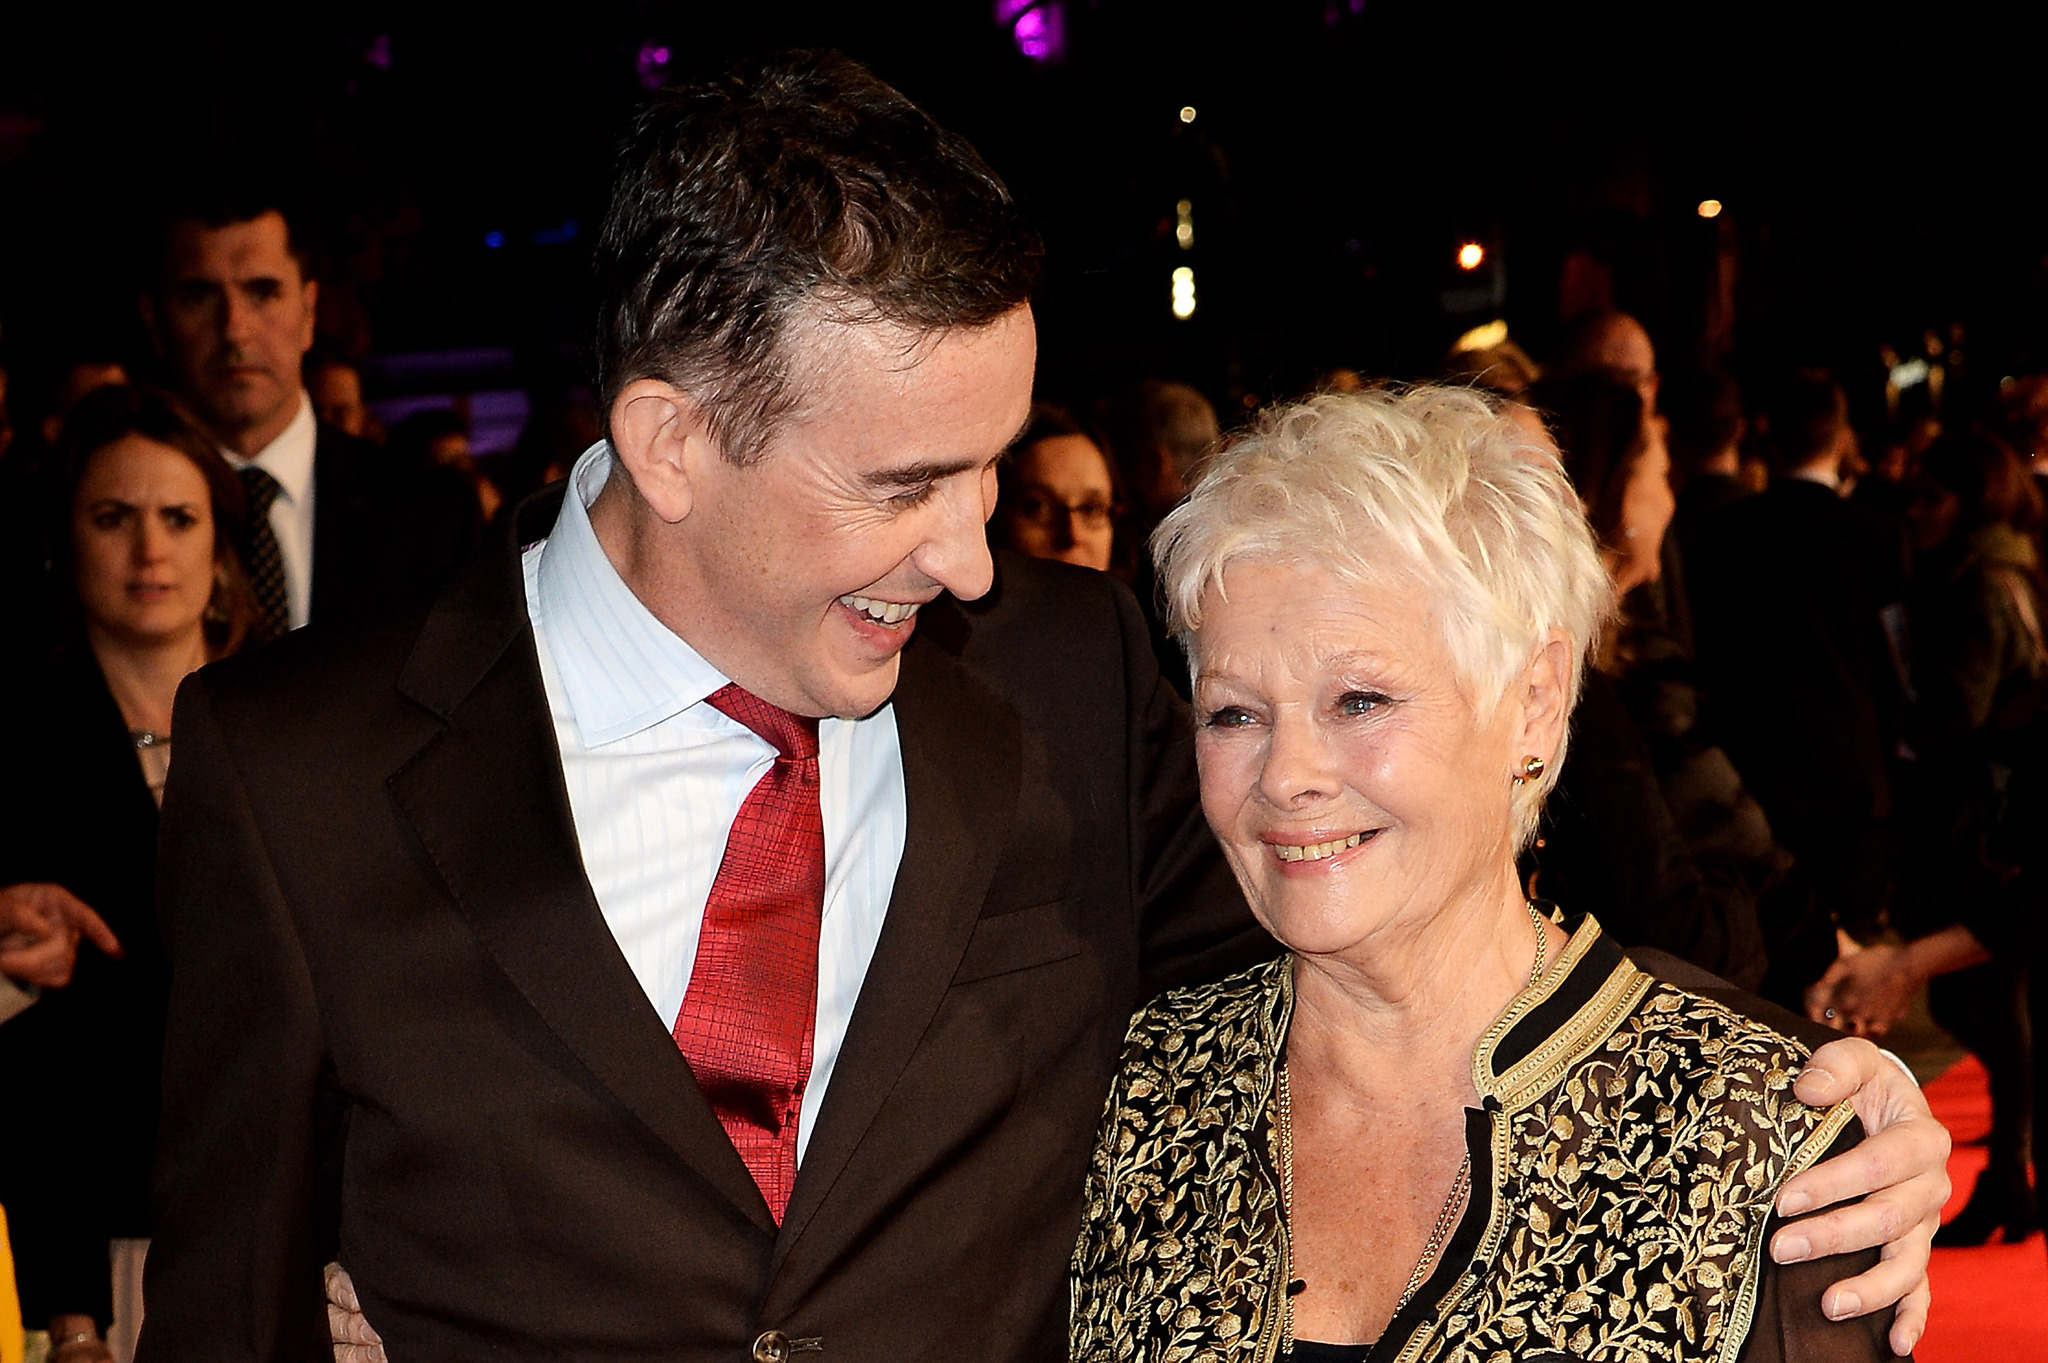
(1632, 1140)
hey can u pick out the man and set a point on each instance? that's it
(1707, 426)
(335, 531)
(1612, 341)
(716, 936)
(1793, 596)
(336, 387)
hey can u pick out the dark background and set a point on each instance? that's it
(1878, 168)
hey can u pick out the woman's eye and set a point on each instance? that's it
(1228, 717)
(1359, 702)
(180, 519)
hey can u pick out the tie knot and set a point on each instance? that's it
(261, 488)
(794, 736)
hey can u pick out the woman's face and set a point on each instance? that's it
(1356, 789)
(1065, 504)
(1647, 503)
(142, 540)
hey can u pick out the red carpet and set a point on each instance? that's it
(1990, 1304)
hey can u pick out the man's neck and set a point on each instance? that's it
(251, 440)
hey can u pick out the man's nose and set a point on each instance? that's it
(955, 554)
(238, 318)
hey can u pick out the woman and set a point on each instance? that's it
(142, 537)
(1058, 495)
(1447, 1120)
(1980, 672)
(1755, 910)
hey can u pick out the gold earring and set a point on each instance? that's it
(1532, 767)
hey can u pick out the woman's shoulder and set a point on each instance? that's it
(1246, 1007)
(1675, 1051)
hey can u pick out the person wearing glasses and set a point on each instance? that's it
(1058, 494)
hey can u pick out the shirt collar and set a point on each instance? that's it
(622, 670)
(288, 458)
(1827, 478)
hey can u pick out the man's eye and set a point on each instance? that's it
(913, 497)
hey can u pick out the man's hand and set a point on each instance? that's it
(1902, 1166)
(354, 1340)
(39, 929)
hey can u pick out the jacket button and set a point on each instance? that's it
(771, 1347)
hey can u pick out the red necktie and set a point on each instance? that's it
(751, 1008)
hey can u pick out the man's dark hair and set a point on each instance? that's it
(794, 180)
(1705, 410)
(216, 201)
(1807, 416)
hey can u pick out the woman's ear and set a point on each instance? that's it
(660, 435)
(1545, 691)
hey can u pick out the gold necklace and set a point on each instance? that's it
(1461, 1185)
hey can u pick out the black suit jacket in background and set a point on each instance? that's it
(374, 904)
(1787, 595)
(387, 533)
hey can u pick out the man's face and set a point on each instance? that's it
(234, 317)
(869, 501)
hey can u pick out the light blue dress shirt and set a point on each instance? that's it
(656, 777)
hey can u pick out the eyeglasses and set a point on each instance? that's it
(1042, 508)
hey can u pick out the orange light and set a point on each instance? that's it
(1471, 255)
(1710, 208)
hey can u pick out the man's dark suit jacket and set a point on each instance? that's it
(375, 908)
(386, 533)
(1787, 599)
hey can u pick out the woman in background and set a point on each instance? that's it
(141, 537)
(1980, 674)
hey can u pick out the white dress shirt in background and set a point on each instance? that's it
(656, 777)
(289, 459)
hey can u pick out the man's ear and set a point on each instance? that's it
(1545, 692)
(312, 322)
(660, 435)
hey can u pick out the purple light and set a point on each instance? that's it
(1038, 27)
(652, 64)
(378, 53)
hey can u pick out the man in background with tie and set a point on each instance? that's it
(337, 530)
(709, 931)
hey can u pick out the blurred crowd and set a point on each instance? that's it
(1811, 760)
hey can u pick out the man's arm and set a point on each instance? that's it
(233, 1271)
(1900, 1171)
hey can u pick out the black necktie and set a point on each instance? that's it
(265, 559)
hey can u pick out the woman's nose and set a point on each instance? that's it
(1297, 767)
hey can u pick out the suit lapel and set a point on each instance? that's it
(961, 759)
(487, 799)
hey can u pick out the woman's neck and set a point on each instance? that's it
(143, 675)
(1416, 1004)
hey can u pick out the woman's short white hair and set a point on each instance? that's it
(1434, 486)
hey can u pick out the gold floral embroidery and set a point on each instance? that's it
(1633, 1170)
